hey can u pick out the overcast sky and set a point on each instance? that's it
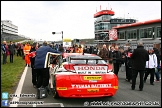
(38, 19)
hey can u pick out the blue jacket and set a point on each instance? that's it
(3, 47)
(41, 56)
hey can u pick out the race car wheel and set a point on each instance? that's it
(55, 93)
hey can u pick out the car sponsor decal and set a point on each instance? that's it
(91, 86)
(92, 78)
(92, 90)
(61, 88)
(91, 69)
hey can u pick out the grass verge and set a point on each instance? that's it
(11, 74)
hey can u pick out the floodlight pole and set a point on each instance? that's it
(62, 36)
(59, 33)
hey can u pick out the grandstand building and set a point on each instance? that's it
(9, 31)
(103, 24)
(125, 32)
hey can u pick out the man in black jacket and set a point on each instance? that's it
(139, 57)
(112, 49)
(95, 50)
(86, 50)
(128, 64)
(117, 59)
(61, 48)
(11, 48)
(32, 59)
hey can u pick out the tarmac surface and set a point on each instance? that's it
(151, 95)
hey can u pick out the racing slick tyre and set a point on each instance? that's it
(55, 93)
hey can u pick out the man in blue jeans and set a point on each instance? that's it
(157, 74)
(156, 51)
(3, 47)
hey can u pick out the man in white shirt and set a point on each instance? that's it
(150, 66)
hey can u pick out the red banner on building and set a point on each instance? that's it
(113, 34)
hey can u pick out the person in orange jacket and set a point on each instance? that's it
(26, 52)
(80, 49)
(76, 49)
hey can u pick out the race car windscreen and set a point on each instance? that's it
(89, 57)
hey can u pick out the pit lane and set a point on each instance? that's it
(150, 93)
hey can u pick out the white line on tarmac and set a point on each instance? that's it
(19, 88)
(34, 105)
(61, 104)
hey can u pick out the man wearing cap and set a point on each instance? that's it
(26, 53)
(41, 69)
(139, 58)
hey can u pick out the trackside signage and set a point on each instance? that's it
(91, 69)
(91, 86)
(67, 43)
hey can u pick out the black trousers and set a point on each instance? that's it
(134, 76)
(4, 58)
(116, 68)
(34, 76)
(126, 70)
(18, 52)
(11, 58)
(128, 73)
(43, 77)
(151, 72)
(22, 52)
(14, 51)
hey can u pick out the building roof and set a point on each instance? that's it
(104, 12)
(6, 21)
(138, 23)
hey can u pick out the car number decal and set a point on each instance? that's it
(92, 90)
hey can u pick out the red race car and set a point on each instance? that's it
(77, 75)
